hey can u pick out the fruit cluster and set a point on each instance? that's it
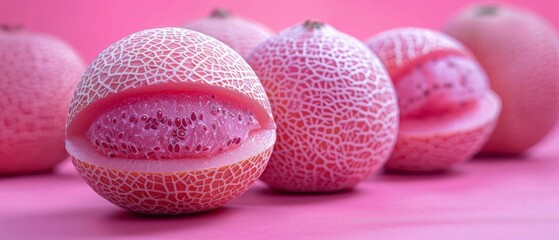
(182, 120)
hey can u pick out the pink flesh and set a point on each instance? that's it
(473, 115)
(257, 142)
(171, 126)
(439, 85)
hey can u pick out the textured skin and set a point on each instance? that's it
(523, 68)
(37, 76)
(408, 48)
(335, 107)
(241, 34)
(159, 56)
(173, 192)
(399, 48)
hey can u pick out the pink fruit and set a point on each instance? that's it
(169, 121)
(241, 34)
(334, 105)
(37, 76)
(447, 109)
(520, 52)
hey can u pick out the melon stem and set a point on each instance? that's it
(487, 10)
(11, 28)
(221, 13)
(313, 24)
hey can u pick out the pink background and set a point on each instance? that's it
(487, 198)
(90, 26)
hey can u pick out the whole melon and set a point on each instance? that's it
(519, 50)
(241, 34)
(38, 74)
(335, 108)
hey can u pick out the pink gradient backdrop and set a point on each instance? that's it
(487, 198)
(90, 26)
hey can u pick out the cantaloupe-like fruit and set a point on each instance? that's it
(38, 74)
(169, 121)
(520, 52)
(334, 105)
(241, 34)
(447, 109)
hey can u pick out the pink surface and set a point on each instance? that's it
(488, 198)
(91, 26)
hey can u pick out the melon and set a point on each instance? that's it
(334, 104)
(169, 121)
(520, 53)
(38, 74)
(241, 34)
(447, 109)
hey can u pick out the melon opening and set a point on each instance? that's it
(445, 94)
(170, 127)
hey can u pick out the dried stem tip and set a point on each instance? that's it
(487, 10)
(11, 28)
(312, 24)
(221, 13)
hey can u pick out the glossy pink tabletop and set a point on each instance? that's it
(487, 198)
